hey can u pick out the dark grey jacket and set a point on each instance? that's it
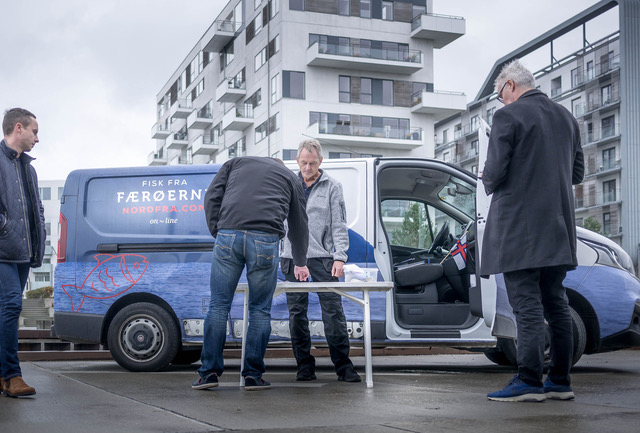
(534, 157)
(256, 193)
(18, 244)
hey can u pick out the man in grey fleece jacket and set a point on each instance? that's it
(327, 253)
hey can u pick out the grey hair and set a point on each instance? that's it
(516, 72)
(310, 145)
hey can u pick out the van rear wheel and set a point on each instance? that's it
(510, 350)
(143, 337)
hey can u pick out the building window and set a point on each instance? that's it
(475, 123)
(608, 127)
(590, 70)
(576, 107)
(376, 91)
(41, 277)
(289, 154)
(344, 88)
(609, 191)
(293, 84)
(275, 89)
(197, 90)
(365, 8)
(490, 113)
(446, 157)
(267, 127)
(575, 78)
(274, 8)
(387, 11)
(605, 95)
(445, 138)
(457, 131)
(260, 59)
(45, 193)
(274, 46)
(609, 159)
(344, 7)
(255, 99)
(296, 5)
(60, 191)
(474, 169)
(606, 224)
(556, 86)
(339, 155)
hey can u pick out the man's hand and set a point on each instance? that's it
(301, 273)
(337, 270)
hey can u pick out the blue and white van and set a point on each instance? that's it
(135, 254)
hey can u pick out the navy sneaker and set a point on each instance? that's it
(557, 392)
(517, 390)
(255, 383)
(209, 381)
(349, 375)
(306, 373)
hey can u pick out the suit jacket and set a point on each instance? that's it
(534, 158)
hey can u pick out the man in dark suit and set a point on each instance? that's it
(534, 158)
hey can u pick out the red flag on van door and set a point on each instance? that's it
(459, 252)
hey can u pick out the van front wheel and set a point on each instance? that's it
(143, 337)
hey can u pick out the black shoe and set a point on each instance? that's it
(349, 375)
(255, 383)
(305, 374)
(210, 381)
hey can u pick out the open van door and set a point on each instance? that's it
(493, 303)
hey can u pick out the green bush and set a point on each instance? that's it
(590, 223)
(42, 292)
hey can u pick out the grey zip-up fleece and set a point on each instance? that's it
(328, 235)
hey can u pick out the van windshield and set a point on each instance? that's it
(460, 195)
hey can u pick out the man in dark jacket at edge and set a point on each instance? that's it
(22, 237)
(246, 206)
(534, 158)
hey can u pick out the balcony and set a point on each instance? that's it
(602, 167)
(231, 90)
(160, 131)
(177, 140)
(441, 29)
(601, 135)
(384, 137)
(358, 57)
(219, 35)
(599, 199)
(181, 109)
(157, 159)
(440, 104)
(204, 145)
(239, 118)
(201, 119)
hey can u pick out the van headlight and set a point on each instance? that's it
(610, 255)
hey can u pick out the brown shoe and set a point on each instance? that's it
(15, 387)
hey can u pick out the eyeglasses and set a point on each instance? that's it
(500, 98)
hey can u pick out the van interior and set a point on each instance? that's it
(425, 212)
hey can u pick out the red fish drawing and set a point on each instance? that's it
(112, 276)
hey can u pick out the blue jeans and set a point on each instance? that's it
(13, 278)
(536, 295)
(233, 250)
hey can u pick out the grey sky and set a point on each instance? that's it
(90, 70)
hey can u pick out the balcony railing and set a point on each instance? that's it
(358, 50)
(441, 29)
(371, 131)
(220, 34)
(598, 199)
(181, 108)
(602, 166)
(598, 70)
(600, 134)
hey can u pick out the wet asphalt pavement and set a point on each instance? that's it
(427, 393)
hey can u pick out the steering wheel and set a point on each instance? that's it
(441, 237)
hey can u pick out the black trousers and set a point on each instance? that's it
(335, 325)
(535, 295)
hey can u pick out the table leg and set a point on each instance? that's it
(367, 340)
(245, 327)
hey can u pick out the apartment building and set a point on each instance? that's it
(50, 193)
(355, 74)
(598, 83)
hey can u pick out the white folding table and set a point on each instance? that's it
(342, 289)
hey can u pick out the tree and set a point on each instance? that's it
(590, 223)
(413, 232)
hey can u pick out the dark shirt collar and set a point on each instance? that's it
(307, 189)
